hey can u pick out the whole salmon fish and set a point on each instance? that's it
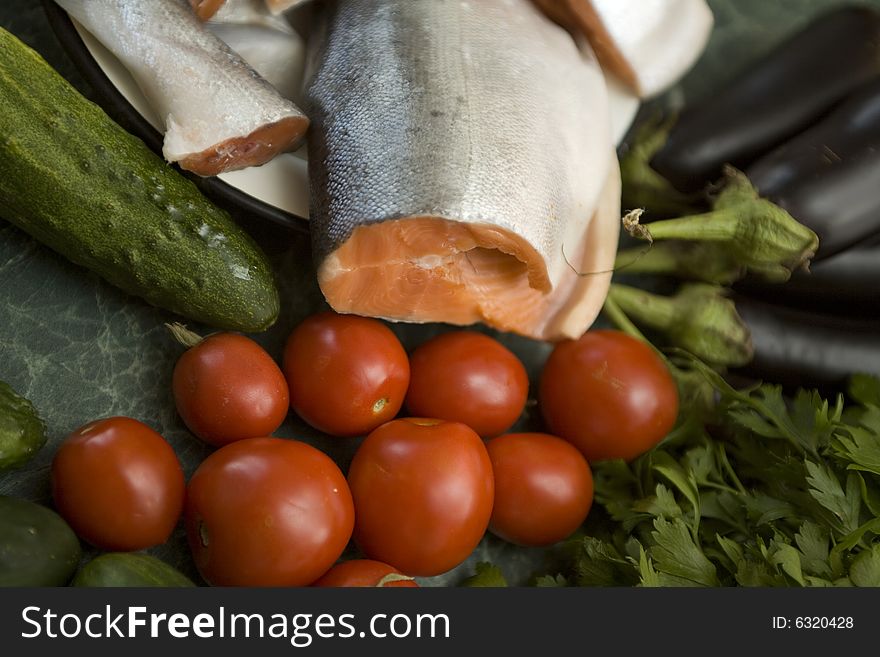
(219, 114)
(461, 164)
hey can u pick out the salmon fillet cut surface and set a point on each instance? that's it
(429, 269)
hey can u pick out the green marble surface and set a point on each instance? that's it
(81, 350)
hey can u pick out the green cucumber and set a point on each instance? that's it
(83, 186)
(37, 547)
(129, 569)
(22, 432)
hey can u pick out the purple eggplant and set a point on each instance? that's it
(776, 98)
(846, 285)
(851, 131)
(828, 177)
(797, 348)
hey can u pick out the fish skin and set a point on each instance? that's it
(250, 12)
(219, 113)
(477, 112)
(277, 56)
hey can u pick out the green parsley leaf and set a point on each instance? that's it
(727, 507)
(825, 488)
(866, 417)
(649, 576)
(685, 482)
(676, 554)
(615, 486)
(813, 543)
(749, 569)
(852, 539)
(700, 462)
(551, 581)
(864, 389)
(813, 419)
(662, 504)
(860, 447)
(764, 509)
(787, 556)
(600, 564)
(487, 576)
(865, 569)
(870, 494)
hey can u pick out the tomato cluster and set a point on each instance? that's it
(422, 489)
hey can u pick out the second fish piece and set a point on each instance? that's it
(219, 114)
(266, 42)
(461, 165)
(648, 44)
(280, 6)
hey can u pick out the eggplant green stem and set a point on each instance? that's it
(643, 187)
(653, 260)
(758, 236)
(698, 318)
(657, 312)
(714, 226)
(709, 262)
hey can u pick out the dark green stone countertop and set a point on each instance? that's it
(81, 349)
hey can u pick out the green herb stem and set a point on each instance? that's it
(618, 318)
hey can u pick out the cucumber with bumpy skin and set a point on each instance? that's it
(82, 185)
(116, 569)
(37, 547)
(22, 432)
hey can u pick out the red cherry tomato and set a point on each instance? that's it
(543, 488)
(363, 572)
(422, 493)
(119, 484)
(227, 388)
(267, 512)
(608, 394)
(347, 374)
(468, 377)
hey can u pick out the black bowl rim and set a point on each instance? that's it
(115, 104)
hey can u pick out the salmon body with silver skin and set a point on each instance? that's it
(462, 166)
(219, 114)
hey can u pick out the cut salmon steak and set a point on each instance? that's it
(219, 113)
(462, 166)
